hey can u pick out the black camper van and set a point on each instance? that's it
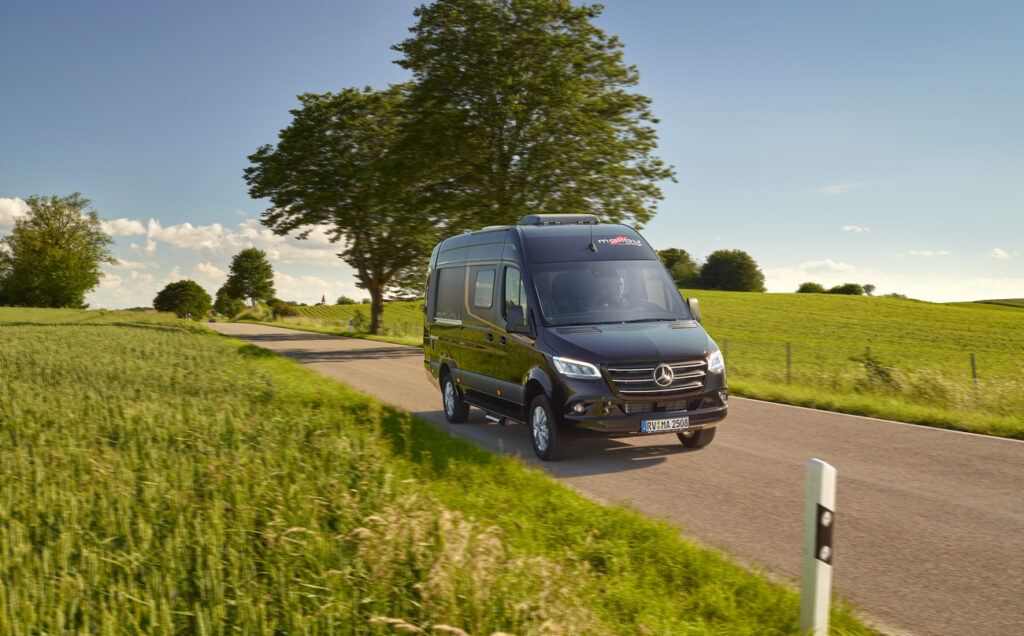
(571, 327)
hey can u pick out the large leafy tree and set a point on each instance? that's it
(731, 270)
(52, 256)
(526, 107)
(343, 163)
(251, 276)
(186, 298)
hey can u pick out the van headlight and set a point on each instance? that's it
(716, 364)
(576, 369)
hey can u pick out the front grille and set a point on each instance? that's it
(638, 380)
(637, 408)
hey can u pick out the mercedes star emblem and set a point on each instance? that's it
(663, 375)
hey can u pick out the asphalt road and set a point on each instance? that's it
(929, 532)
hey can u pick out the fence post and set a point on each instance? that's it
(819, 521)
(789, 363)
(350, 324)
(974, 375)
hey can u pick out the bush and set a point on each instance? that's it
(185, 298)
(345, 300)
(282, 308)
(810, 288)
(731, 270)
(680, 266)
(849, 289)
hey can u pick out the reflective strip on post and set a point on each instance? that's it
(819, 521)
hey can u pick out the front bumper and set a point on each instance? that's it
(592, 409)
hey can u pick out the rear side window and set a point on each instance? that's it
(449, 293)
(483, 294)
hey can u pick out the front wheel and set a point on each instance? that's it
(697, 439)
(455, 409)
(548, 439)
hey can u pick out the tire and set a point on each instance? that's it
(547, 437)
(697, 439)
(455, 409)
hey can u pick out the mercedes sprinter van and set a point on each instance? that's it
(573, 328)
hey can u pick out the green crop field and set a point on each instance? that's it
(158, 478)
(893, 358)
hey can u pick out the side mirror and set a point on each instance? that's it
(694, 308)
(516, 321)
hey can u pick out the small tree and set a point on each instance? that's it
(226, 304)
(52, 257)
(251, 276)
(869, 289)
(185, 298)
(731, 270)
(345, 300)
(849, 289)
(810, 288)
(680, 266)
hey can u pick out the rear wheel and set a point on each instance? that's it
(697, 439)
(455, 409)
(547, 438)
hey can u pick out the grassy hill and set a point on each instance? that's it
(894, 358)
(158, 478)
(888, 357)
(1004, 304)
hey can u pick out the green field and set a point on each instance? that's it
(893, 358)
(158, 478)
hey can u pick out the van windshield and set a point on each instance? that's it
(582, 292)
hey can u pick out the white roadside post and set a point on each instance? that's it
(819, 520)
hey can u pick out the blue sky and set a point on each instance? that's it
(870, 142)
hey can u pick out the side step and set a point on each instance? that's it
(492, 412)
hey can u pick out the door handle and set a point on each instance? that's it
(490, 337)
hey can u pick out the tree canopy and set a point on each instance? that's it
(526, 107)
(186, 298)
(227, 305)
(810, 288)
(848, 289)
(680, 266)
(52, 256)
(342, 163)
(251, 276)
(731, 270)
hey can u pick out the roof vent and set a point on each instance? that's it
(559, 219)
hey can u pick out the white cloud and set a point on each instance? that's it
(209, 270)
(310, 289)
(148, 250)
(995, 252)
(928, 253)
(174, 276)
(123, 227)
(836, 189)
(208, 237)
(10, 209)
(854, 228)
(111, 281)
(826, 266)
(146, 278)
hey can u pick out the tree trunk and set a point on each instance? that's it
(376, 306)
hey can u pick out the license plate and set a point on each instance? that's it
(662, 426)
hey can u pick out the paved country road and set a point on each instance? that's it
(929, 523)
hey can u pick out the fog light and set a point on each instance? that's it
(578, 407)
(724, 397)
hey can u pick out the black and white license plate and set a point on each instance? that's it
(664, 426)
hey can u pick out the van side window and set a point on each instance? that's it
(448, 305)
(483, 295)
(514, 292)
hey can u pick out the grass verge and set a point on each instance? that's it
(158, 478)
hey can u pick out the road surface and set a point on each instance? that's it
(929, 532)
